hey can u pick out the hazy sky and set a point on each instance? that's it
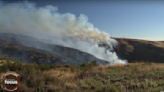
(142, 20)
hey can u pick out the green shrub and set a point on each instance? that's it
(15, 66)
(107, 88)
(158, 89)
(67, 65)
(82, 65)
(93, 63)
(2, 58)
(44, 66)
(72, 68)
(11, 66)
(53, 66)
(4, 67)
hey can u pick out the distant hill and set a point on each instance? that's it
(136, 49)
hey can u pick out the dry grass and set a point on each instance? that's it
(56, 73)
(137, 49)
(5, 61)
(131, 77)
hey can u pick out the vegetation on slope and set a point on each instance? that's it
(132, 77)
(137, 49)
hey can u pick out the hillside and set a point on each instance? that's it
(28, 49)
(138, 50)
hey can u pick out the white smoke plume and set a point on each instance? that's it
(62, 29)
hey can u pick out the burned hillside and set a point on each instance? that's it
(28, 49)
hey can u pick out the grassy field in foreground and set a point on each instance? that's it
(132, 77)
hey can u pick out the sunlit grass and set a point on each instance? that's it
(131, 77)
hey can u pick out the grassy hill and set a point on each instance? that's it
(132, 77)
(138, 50)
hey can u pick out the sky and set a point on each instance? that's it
(140, 20)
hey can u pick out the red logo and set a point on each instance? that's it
(11, 81)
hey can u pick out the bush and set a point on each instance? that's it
(15, 66)
(4, 67)
(93, 63)
(2, 58)
(31, 76)
(82, 65)
(72, 68)
(44, 67)
(53, 66)
(108, 88)
(67, 65)
(11, 66)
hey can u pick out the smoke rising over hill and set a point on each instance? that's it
(61, 29)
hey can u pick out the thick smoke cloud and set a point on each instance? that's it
(62, 29)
